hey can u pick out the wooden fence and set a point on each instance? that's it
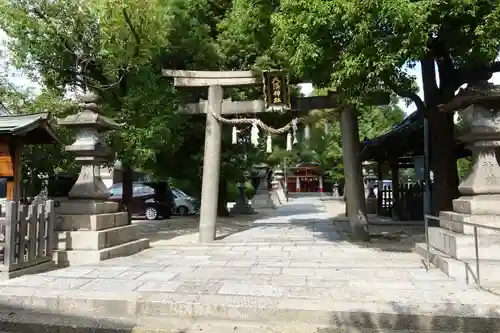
(408, 205)
(26, 235)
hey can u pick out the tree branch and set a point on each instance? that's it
(134, 32)
(406, 94)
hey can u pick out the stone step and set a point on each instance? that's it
(24, 321)
(67, 206)
(125, 310)
(461, 246)
(450, 220)
(96, 239)
(463, 269)
(78, 257)
(91, 222)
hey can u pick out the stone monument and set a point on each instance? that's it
(262, 198)
(89, 228)
(452, 244)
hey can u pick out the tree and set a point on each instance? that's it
(362, 45)
(116, 48)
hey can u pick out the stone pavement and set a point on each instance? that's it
(290, 271)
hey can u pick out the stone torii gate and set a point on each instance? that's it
(216, 106)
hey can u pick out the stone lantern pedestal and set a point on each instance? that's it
(262, 198)
(452, 244)
(89, 228)
(278, 186)
(241, 206)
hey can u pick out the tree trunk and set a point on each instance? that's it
(442, 140)
(443, 160)
(222, 199)
(127, 190)
(356, 205)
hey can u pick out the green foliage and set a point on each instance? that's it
(360, 46)
(118, 49)
(234, 192)
(464, 167)
(369, 42)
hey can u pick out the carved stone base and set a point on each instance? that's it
(262, 199)
(242, 209)
(89, 231)
(478, 204)
(89, 185)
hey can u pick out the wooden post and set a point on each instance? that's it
(395, 189)
(380, 185)
(40, 221)
(356, 205)
(17, 171)
(10, 234)
(32, 243)
(50, 213)
(23, 229)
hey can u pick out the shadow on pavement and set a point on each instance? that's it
(24, 320)
(450, 319)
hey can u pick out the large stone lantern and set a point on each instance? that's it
(90, 148)
(89, 228)
(262, 198)
(453, 243)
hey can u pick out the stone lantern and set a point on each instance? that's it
(262, 198)
(479, 106)
(241, 206)
(90, 149)
(90, 228)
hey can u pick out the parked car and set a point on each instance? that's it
(185, 204)
(150, 199)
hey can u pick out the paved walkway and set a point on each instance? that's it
(292, 267)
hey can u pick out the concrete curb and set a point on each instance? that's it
(137, 307)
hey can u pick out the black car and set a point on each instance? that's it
(150, 199)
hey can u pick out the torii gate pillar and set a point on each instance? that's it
(215, 81)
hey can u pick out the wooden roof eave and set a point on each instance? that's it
(41, 122)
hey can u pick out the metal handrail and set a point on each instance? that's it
(476, 245)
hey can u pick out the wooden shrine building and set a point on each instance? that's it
(401, 148)
(306, 178)
(16, 131)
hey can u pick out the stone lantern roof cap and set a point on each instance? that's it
(90, 115)
(87, 118)
(481, 93)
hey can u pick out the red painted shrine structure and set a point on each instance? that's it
(305, 178)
